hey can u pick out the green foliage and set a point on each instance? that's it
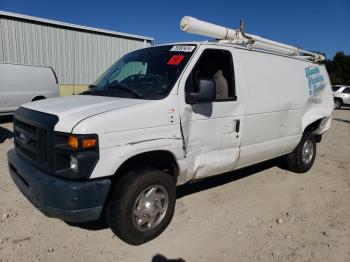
(339, 69)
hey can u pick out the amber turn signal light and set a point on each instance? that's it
(73, 142)
(88, 142)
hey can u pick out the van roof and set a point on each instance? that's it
(237, 46)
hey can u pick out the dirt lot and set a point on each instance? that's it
(263, 213)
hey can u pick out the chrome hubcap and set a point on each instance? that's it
(150, 208)
(307, 152)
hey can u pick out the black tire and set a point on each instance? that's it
(295, 162)
(120, 210)
(338, 103)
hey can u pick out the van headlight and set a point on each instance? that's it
(75, 155)
(74, 164)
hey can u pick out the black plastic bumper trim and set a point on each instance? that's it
(72, 201)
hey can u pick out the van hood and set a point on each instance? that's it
(73, 109)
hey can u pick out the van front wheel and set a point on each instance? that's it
(142, 205)
(303, 156)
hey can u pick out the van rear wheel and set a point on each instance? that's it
(303, 156)
(142, 205)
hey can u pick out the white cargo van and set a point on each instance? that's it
(163, 116)
(21, 84)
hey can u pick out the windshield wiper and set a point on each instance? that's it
(124, 88)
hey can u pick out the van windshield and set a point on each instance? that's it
(148, 73)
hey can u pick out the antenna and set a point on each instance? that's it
(226, 35)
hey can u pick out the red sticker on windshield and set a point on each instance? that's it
(175, 59)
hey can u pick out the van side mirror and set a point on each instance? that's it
(206, 92)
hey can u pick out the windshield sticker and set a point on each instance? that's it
(315, 79)
(183, 48)
(175, 59)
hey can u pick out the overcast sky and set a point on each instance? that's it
(316, 25)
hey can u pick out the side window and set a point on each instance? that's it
(217, 65)
(346, 90)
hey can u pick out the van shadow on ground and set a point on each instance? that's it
(195, 187)
(6, 119)
(5, 134)
(342, 120)
(161, 258)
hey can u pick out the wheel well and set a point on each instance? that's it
(338, 98)
(314, 126)
(36, 98)
(160, 159)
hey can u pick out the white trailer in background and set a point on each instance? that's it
(20, 84)
(166, 115)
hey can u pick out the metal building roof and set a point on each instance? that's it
(72, 26)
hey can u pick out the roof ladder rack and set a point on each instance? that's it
(226, 35)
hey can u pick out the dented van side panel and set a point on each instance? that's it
(320, 102)
(212, 131)
(278, 103)
(124, 133)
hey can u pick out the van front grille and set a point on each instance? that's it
(33, 132)
(31, 141)
(26, 139)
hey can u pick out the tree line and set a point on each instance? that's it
(339, 69)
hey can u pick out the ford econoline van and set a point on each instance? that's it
(166, 115)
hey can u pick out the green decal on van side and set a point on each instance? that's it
(315, 80)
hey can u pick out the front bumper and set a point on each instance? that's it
(72, 201)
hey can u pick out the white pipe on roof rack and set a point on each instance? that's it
(195, 26)
(294, 50)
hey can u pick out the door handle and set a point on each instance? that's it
(238, 123)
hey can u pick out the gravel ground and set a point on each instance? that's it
(263, 213)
